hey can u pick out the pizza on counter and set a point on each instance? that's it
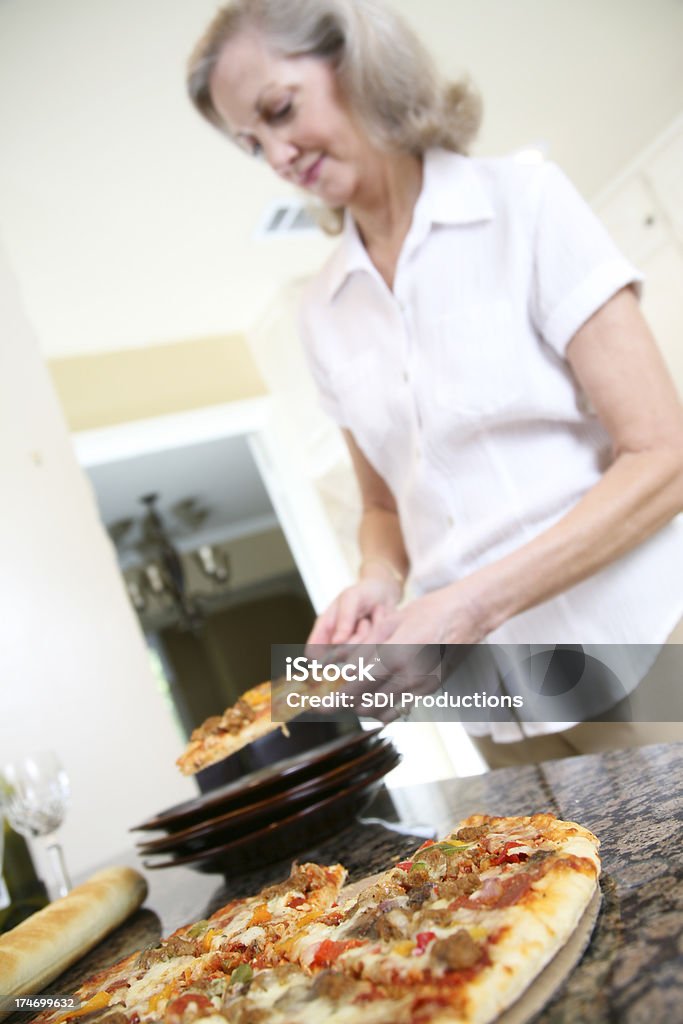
(455, 934)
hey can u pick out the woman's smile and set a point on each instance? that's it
(290, 111)
(310, 176)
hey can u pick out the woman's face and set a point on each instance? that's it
(290, 111)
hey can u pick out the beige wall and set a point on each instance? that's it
(107, 388)
(74, 669)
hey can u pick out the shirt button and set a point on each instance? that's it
(450, 521)
(406, 376)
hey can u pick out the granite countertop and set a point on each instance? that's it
(632, 800)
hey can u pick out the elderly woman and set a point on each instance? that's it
(477, 336)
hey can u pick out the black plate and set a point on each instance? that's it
(242, 820)
(256, 785)
(306, 732)
(291, 835)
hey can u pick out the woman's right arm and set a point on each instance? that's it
(384, 564)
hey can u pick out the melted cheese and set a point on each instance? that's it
(155, 980)
(296, 1004)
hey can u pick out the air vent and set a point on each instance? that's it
(286, 217)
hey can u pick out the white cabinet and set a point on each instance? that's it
(643, 211)
(663, 305)
(633, 218)
(664, 171)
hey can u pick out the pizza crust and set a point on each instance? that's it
(536, 931)
(543, 924)
(553, 976)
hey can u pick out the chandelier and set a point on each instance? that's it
(164, 582)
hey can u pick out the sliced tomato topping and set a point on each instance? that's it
(178, 1007)
(329, 950)
(422, 940)
(504, 856)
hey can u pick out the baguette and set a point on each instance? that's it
(40, 948)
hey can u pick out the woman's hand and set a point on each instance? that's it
(452, 615)
(356, 611)
(455, 614)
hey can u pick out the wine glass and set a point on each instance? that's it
(36, 794)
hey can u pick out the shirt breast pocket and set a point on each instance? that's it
(477, 362)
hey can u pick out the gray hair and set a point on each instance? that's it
(385, 72)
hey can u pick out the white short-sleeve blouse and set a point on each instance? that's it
(456, 387)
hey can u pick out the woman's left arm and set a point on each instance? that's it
(617, 363)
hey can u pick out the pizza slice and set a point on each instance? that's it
(289, 995)
(455, 934)
(469, 921)
(250, 930)
(222, 735)
(209, 957)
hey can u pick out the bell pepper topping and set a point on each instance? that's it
(208, 938)
(260, 915)
(98, 1002)
(241, 975)
(197, 929)
(158, 997)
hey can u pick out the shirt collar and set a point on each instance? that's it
(451, 194)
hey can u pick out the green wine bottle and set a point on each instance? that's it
(22, 886)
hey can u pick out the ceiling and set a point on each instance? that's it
(220, 475)
(129, 222)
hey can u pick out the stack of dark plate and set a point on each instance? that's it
(273, 812)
